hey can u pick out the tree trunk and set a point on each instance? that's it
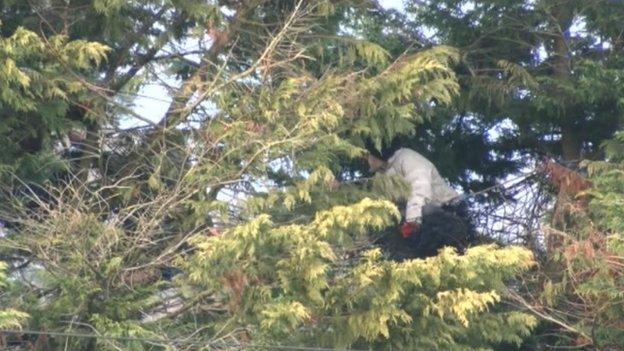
(571, 142)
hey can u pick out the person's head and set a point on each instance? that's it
(376, 164)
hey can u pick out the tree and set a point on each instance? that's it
(136, 35)
(304, 293)
(553, 69)
(9, 318)
(232, 187)
(536, 77)
(37, 97)
(578, 290)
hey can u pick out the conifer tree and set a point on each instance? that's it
(9, 318)
(580, 286)
(537, 78)
(233, 188)
(37, 95)
(546, 75)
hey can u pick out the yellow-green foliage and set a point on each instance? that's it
(22, 87)
(38, 84)
(241, 201)
(9, 317)
(297, 283)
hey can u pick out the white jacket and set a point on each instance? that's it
(428, 187)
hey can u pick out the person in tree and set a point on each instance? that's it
(429, 191)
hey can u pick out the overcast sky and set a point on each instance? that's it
(397, 4)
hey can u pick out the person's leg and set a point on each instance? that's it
(441, 227)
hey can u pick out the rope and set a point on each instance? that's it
(519, 179)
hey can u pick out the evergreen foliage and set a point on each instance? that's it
(37, 94)
(304, 291)
(9, 318)
(537, 78)
(581, 284)
(233, 190)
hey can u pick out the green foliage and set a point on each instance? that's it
(35, 97)
(425, 75)
(581, 283)
(9, 318)
(235, 187)
(294, 283)
(529, 71)
(128, 329)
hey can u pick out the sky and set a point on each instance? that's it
(395, 4)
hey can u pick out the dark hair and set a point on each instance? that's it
(387, 150)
